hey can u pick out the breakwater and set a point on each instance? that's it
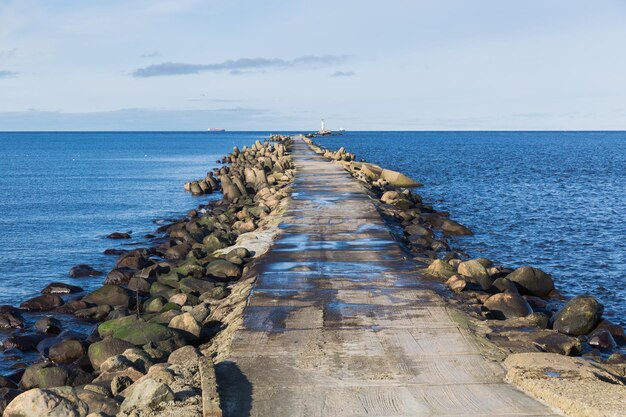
(345, 313)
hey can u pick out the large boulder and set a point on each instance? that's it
(440, 269)
(44, 302)
(508, 305)
(196, 286)
(450, 227)
(398, 179)
(100, 351)
(147, 394)
(67, 351)
(187, 325)
(184, 355)
(107, 328)
(119, 276)
(532, 281)
(109, 295)
(579, 316)
(46, 403)
(140, 333)
(83, 270)
(477, 271)
(221, 268)
(44, 376)
(48, 325)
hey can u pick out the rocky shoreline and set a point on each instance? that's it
(162, 312)
(519, 313)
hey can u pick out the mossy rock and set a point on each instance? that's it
(189, 269)
(154, 304)
(140, 333)
(169, 306)
(211, 243)
(221, 268)
(440, 269)
(101, 351)
(108, 327)
(157, 289)
(112, 295)
(44, 376)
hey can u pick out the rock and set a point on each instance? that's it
(48, 325)
(397, 179)
(135, 260)
(45, 403)
(140, 359)
(440, 269)
(221, 268)
(61, 288)
(44, 376)
(96, 313)
(67, 351)
(114, 251)
(44, 302)
(196, 286)
(183, 355)
(119, 276)
(554, 342)
(119, 383)
(83, 270)
(178, 252)
(109, 295)
(147, 394)
(229, 189)
(452, 228)
(187, 325)
(10, 318)
(508, 305)
(119, 235)
(115, 363)
(100, 351)
(25, 343)
(602, 339)
(504, 285)
(200, 312)
(107, 328)
(154, 304)
(474, 269)
(98, 402)
(456, 283)
(140, 333)
(616, 331)
(579, 316)
(532, 281)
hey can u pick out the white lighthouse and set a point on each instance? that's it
(323, 129)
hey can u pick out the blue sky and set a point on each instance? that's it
(281, 65)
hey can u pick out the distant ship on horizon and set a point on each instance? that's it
(216, 129)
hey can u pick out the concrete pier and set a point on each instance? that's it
(340, 323)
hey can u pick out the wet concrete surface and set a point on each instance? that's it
(340, 323)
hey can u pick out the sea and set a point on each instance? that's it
(553, 200)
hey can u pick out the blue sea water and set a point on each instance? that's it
(553, 200)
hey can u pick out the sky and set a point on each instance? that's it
(285, 64)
